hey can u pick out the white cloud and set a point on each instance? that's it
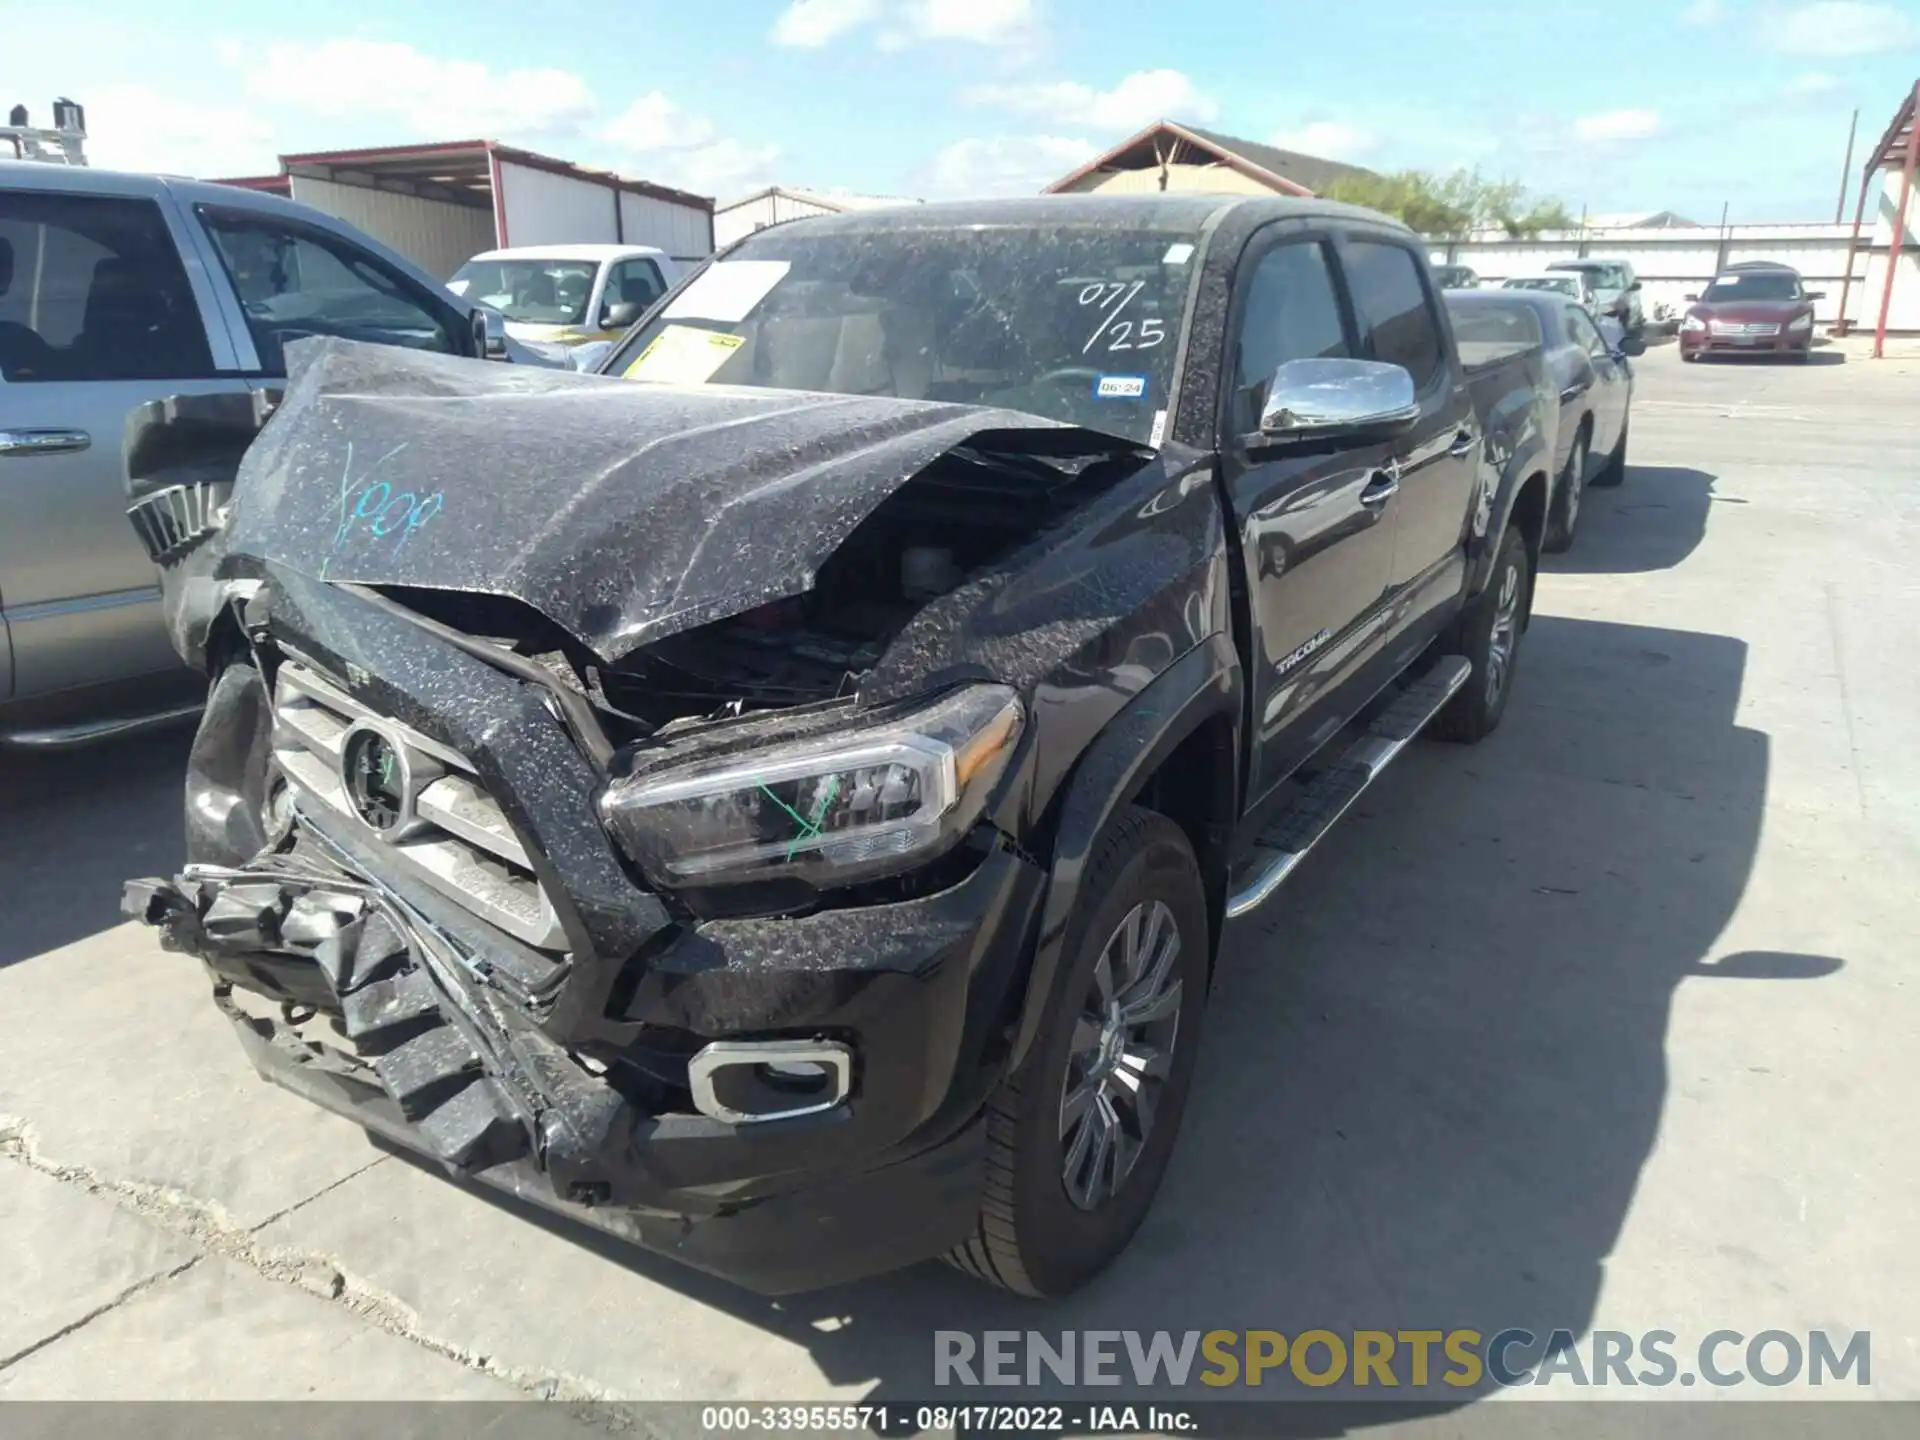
(1842, 27)
(653, 122)
(1328, 139)
(1003, 165)
(809, 24)
(135, 127)
(1137, 100)
(989, 22)
(1618, 125)
(450, 99)
(364, 88)
(1704, 12)
(723, 167)
(1814, 82)
(666, 142)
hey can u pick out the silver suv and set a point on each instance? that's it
(117, 290)
(1616, 292)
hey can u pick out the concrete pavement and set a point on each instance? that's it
(1604, 1024)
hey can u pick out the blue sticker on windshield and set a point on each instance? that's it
(1120, 387)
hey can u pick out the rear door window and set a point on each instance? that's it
(294, 282)
(1392, 305)
(91, 288)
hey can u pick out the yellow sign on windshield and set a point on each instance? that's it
(683, 355)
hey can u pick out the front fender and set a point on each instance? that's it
(1201, 685)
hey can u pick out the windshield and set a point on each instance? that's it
(1560, 284)
(1077, 323)
(1509, 324)
(1754, 285)
(1598, 276)
(535, 291)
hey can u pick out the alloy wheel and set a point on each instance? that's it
(1506, 616)
(1576, 482)
(1120, 1054)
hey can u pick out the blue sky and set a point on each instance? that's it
(1636, 104)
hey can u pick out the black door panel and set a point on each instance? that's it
(1316, 556)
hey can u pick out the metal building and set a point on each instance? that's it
(1171, 156)
(777, 204)
(441, 204)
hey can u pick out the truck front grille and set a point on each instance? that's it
(455, 837)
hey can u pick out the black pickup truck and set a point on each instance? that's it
(779, 800)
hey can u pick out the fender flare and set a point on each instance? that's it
(1528, 458)
(1201, 685)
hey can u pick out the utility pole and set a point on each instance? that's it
(1846, 171)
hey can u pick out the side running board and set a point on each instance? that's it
(1298, 828)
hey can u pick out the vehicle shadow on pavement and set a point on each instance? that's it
(1651, 521)
(1434, 1066)
(73, 825)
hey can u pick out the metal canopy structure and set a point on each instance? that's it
(464, 172)
(1898, 149)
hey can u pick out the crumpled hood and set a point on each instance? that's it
(622, 512)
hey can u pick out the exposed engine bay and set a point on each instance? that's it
(965, 514)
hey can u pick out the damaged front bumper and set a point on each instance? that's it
(342, 991)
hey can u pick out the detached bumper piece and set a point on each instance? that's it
(353, 1004)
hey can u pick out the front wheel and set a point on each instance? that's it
(1079, 1136)
(1488, 634)
(1615, 470)
(1566, 505)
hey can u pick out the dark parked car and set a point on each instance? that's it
(1455, 277)
(1592, 376)
(1758, 309)
(789, 821)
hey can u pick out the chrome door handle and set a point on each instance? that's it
(1570, 393)
(1383, 485)
(1463, 442)
(43, 442)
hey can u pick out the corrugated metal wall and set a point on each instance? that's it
(1672, 264)
(435, 234)
(763, 210)
(680, 230)
(543, 208)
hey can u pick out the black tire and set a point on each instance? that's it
(1475, 710)
(1615, 470)
(1689, 359)
(1564, 522)
(1032, 1238)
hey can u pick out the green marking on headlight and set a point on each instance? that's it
(808, 828)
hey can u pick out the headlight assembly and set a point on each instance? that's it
(1800, 322)
(830, 810)
(1693, 324)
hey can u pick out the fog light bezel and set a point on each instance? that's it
(832, 1057)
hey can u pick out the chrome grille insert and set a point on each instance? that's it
(460, 842)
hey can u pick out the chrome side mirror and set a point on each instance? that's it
(489, 334)
(1312, 398)
(618, 315)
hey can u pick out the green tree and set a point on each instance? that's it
(1448, 206)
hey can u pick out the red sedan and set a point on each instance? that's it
(1750, 312)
